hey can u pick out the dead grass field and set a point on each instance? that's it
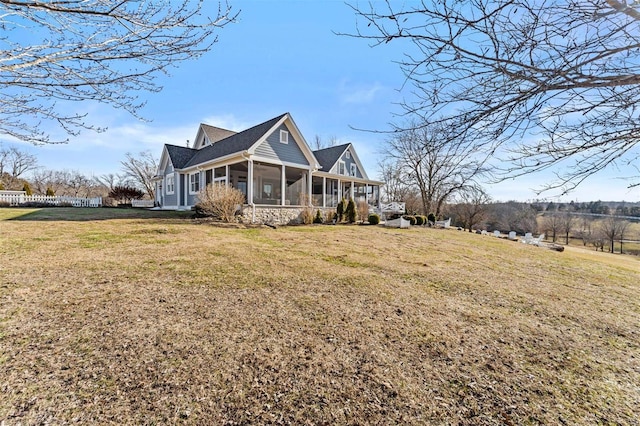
(160, 320)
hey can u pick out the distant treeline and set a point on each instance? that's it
(618, 208)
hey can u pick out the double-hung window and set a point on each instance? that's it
(354, 169)
(194, 183)
(170, 184)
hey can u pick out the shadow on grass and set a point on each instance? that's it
(80, 214)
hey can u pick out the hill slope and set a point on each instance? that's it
(163, 321)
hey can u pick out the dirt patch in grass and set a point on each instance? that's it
(164, 321)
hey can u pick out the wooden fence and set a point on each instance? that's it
(392, 208)
(16, 198)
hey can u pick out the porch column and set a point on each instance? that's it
(366, 193)
(186, 189)
(283, 186)
(339, 190)
(176, 187)
(250, 182)
(324, 192)
(226, 175)
(309, 188)
(351, 191)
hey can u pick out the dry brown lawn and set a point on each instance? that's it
(162, 320)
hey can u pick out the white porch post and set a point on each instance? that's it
(309, 188)
(283, 186)
(186, 189)
(250, 182)
(324, 192)
(366, 193)
(339, 190)
(226, 175)
(176, 187)
(351, 191)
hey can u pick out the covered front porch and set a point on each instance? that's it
(269, 184)
(328, 189)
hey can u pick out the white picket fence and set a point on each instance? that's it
(16, 198)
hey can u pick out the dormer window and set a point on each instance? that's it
(347, 155)
(284, 136)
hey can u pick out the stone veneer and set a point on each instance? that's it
(281, 215)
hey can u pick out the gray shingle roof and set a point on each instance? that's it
(215, 134)
(180, 155)
(235, 143)
(327, 157)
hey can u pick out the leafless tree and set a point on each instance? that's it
(14, 164)
(319, 143)
(78, 185)
(470, 206)
(586, 232)
(566, 224)
(552, 223)
(613, 228)
(78, 50)
(435, 164)
(111, 180)
(551, 84)
(512, 216)
(394, 188)
(65, 182)
(140, 169)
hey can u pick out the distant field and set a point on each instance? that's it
(153, 318)
(632, 233)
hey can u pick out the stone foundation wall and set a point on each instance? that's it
(281, 215)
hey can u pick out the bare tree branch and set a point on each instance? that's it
(79, 50)
(14, 164)
(545, 85)
(141, 170)
(434, 162)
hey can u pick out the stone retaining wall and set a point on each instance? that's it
(280, 215)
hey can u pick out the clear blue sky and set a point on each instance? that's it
(281, 56)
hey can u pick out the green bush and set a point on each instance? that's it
(352, 213)
(340, 209)
(374, 219)
(50, 192)
(27, 188)
(318, 218)
(411, 219)
(419, 220)
(432, 217)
